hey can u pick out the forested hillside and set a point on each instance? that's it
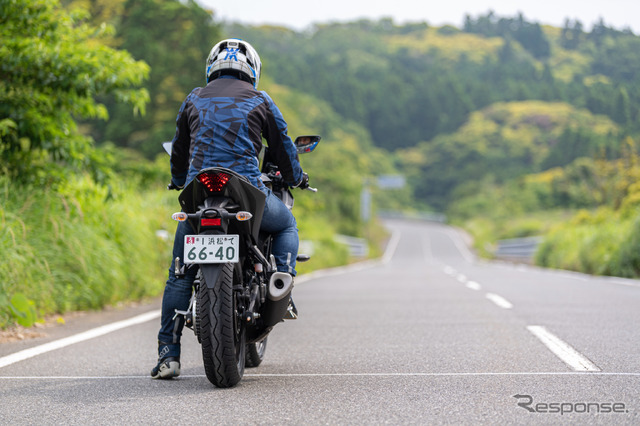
(411, 84)
(509, 126)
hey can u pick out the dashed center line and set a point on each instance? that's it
(558, 347)
(562, 350)
(499, 300)
(474, 285)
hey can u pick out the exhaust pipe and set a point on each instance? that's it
(280, 286)
(277, 303)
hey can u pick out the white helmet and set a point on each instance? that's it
(234, 56)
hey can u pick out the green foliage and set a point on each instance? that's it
(592, 243)
(174, 37)
(23, 310)
(82, 246)
(52, 66)
(409, 83)
(529, 35)
(503, 142)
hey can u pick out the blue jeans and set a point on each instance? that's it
(277, 220)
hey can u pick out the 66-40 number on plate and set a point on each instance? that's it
(211, 248)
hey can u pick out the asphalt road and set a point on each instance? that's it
(427, 335)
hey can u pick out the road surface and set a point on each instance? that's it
(427, 335)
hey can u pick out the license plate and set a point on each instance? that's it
(211, 248)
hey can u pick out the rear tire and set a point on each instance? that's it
(222, 334)
(255, 353)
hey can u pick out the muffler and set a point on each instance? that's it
(280, 286)
(277, 303)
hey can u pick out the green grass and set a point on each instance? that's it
(82, 246)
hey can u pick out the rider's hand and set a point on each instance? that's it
(304, 182)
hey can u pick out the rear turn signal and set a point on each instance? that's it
(180, 216)
(242, 216)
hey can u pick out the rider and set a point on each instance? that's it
(222, 124)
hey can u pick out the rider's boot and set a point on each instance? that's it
(168, 367)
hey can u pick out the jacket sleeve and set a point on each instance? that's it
(281, 146)
(181, 146)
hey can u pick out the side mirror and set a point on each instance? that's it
(168, 146)
(306, 144)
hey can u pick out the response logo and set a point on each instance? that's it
(526, 402)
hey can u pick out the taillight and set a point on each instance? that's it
(210, 222)
(214, 182)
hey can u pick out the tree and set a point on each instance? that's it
(174, 37)
(52, 67)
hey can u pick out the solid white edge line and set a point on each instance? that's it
(391, 247)
(77, 338)
(417, 374)
(562, 350)
(460, 245)
(499, 300)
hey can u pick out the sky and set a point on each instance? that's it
(300, 14)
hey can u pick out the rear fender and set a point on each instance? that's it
(211, 273)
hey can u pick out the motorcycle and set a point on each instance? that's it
(238, 295)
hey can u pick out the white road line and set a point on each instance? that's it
(473, 285)
(461, 246)
(562, 350)
(416, 374)
(76, 338)
(391, 247)
(462, 278)
(499, 300)
(449, 270)
(620, 281)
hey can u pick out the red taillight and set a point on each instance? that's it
(210, 222)
(214, 182)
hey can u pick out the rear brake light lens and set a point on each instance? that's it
(214, 182)
(210, 222)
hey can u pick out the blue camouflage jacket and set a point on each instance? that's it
(222, 125)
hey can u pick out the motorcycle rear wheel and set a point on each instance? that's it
(222, 334)
(255, 353)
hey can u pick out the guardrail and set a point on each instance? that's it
(358, 247)
(522, 249)
(427, 216)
